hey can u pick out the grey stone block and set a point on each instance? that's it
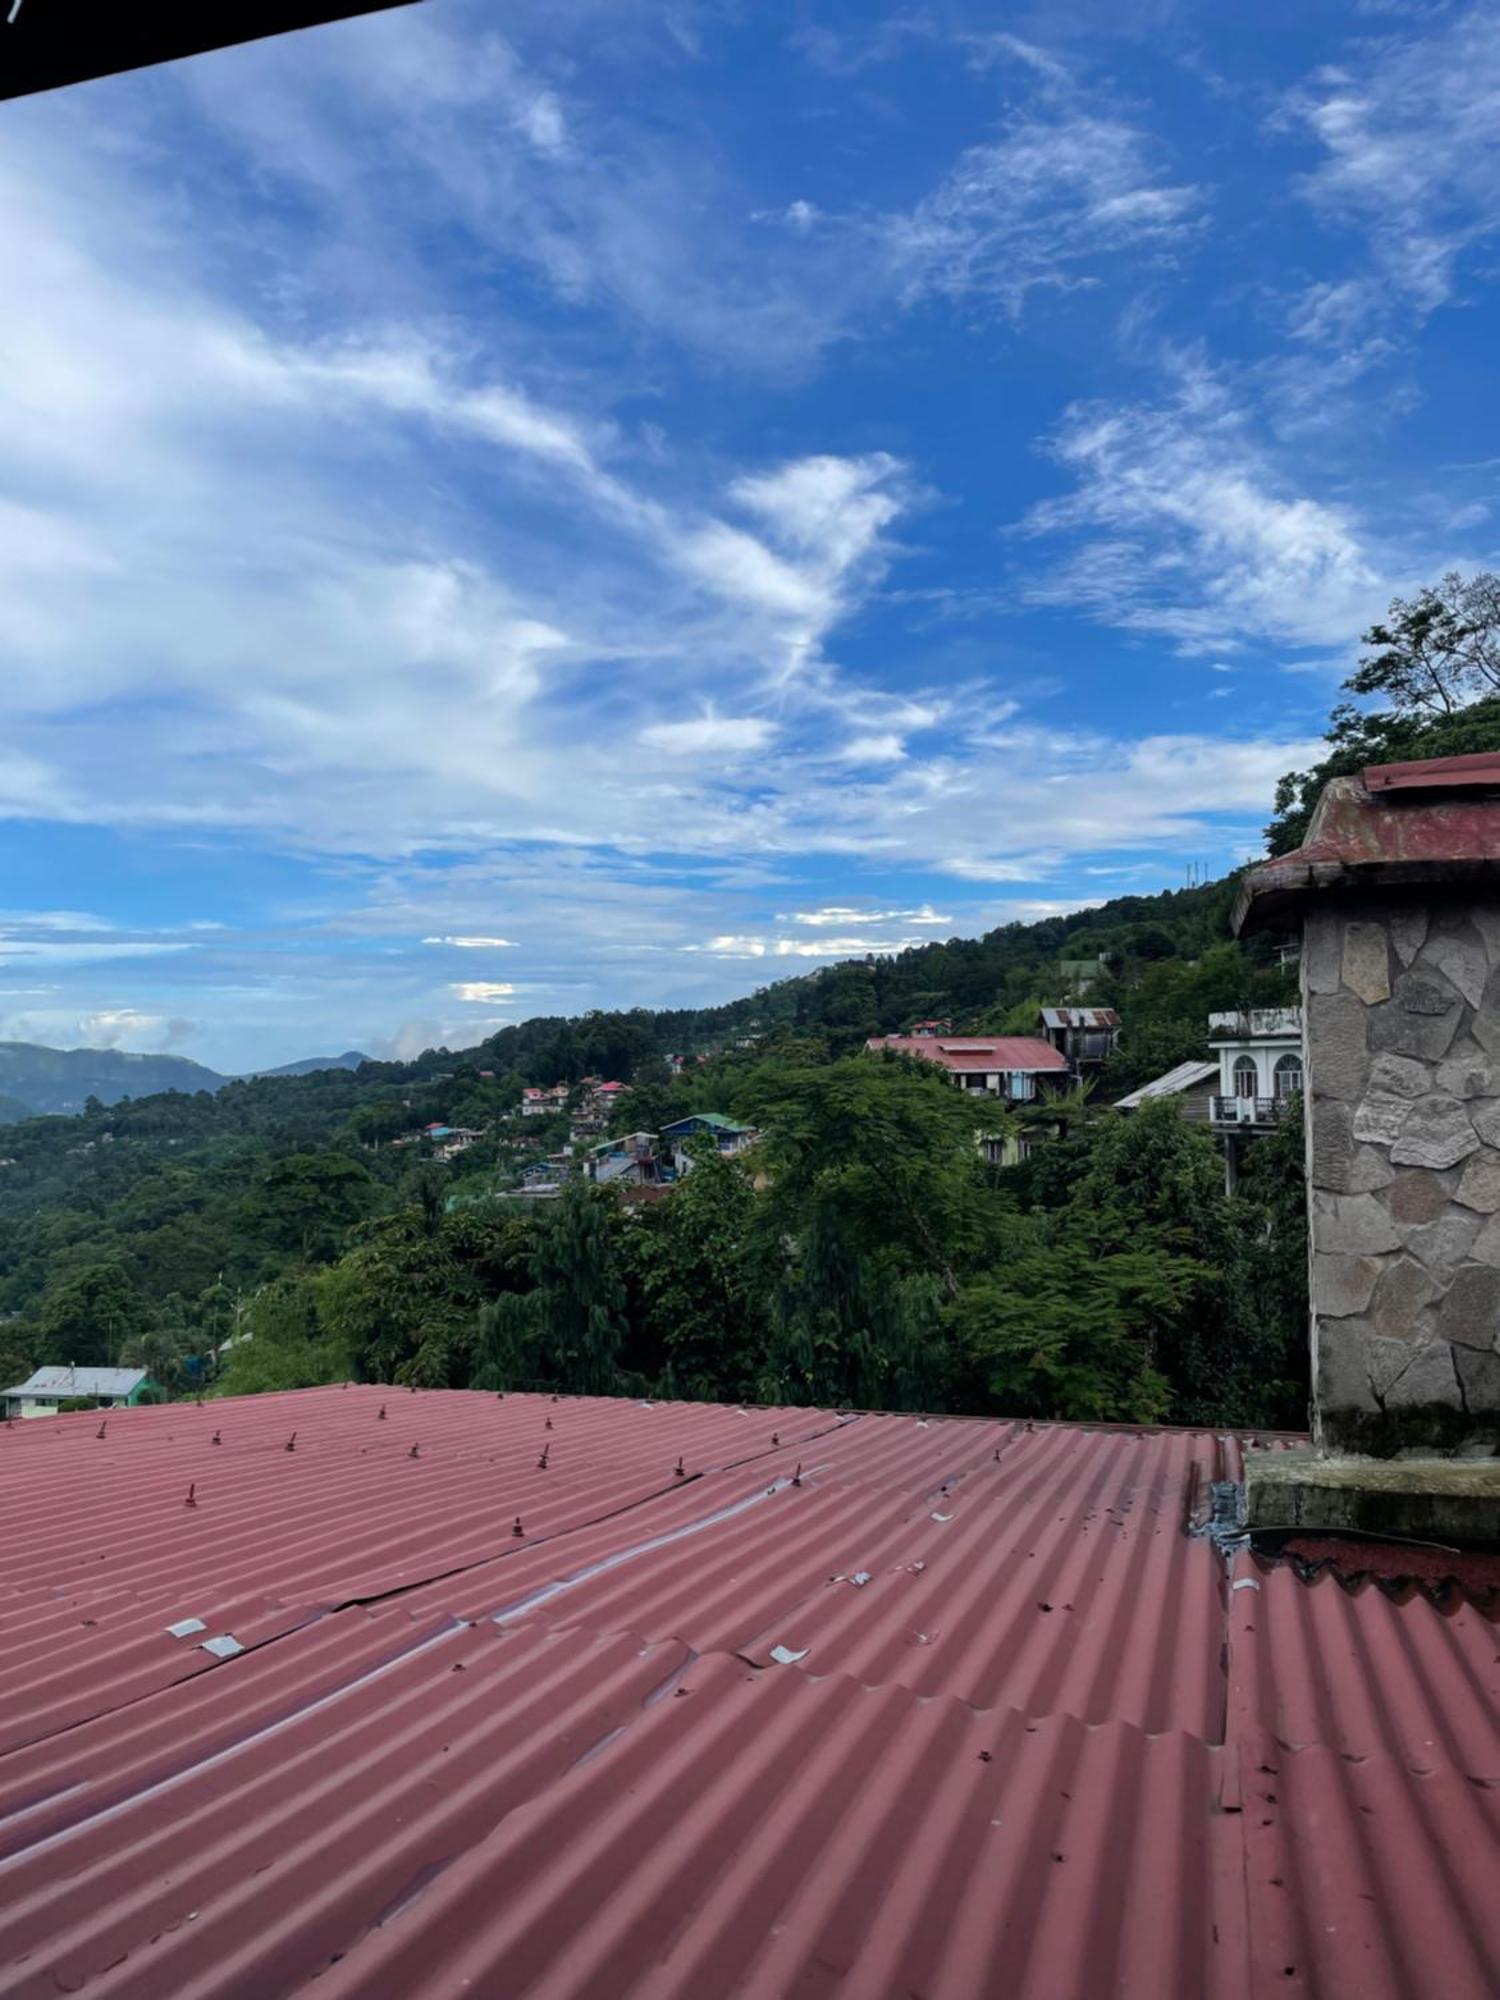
(1345, 1285)
(1404, 1288)
(1480, 1185)
(1400, 1076)
(1468, 1072)
(1486, 1245)
(1436, 1133)
(1338, 1062)
(1355, 1225)
(1341, 1377)
(1332, 1144)
(1485, 1026)
(1479, 1376)
(1418, 1198)
(1420, 1019)
(1460, 956)
(1470, 1312)
(1378, 1119)
(1366, 962)
(1486, 920)
(1443, 1243)
(1322, 951)
(1484, 1116)
(1429, 1377)
(1408, 932)
(1369, 1171)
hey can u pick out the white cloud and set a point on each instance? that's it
(1043, 207)
(731, 946)
(843, 915)
(1185, 527)
(482, 991)
(1408, 132)
(709, 735)
(886, 749)
(474, 943)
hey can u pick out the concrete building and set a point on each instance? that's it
(1397, 895)
(1084, 1036)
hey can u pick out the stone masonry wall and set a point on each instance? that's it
(1402, 1024)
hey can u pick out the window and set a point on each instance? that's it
(1288, 1076)
(1244, 1076)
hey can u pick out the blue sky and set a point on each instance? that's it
(508, 510)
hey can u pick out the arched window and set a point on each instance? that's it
(1244, 1076)
(1288, 1075)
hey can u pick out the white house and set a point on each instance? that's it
(40, 1394)
(1260, 1064)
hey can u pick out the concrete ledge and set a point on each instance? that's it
(1449, 1498)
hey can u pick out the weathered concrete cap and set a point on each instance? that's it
(1454, 1497)
(1396, 826)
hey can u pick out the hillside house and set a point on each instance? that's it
(1194, 1085)
(1019, 1069)
(1079, 974)
(632, 1160)
(730, 1138)
(1085, 1036)
(1260, 1065)
(41, 1393)
(537, 1103)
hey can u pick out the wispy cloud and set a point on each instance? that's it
(1410, 145)
(1182, 525)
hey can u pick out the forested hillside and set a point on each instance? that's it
(278, 1207)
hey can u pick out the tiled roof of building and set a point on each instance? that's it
(975, 1052)
(717, 1702)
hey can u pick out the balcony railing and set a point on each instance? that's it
(1259, 1023)
(1248, 1110)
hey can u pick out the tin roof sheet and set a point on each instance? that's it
(852, 1705)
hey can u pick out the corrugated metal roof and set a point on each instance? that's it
(1080, 1017)
(1435, 823)
(851, 1705)
(1004, 1052)
(62, 1381)
(1184, 1077)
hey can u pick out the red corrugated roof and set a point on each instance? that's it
(975, 1052)
(853, 1705)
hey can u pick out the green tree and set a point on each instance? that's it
(702, 1307)
(571, 1328)
(284, 1342)
(90, 1317)
(1063, 1332)
(1435, 659)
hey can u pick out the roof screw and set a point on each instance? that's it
(499, 1395)
(541, 1464)
(518, 1529)
(291, 1443)
(776, 1437)
(557, 1399)
(217, 1438)
(797, 1475)
(380, 1415)
(100, 1431)
(415, 1452)
(190, 1501)
(548, 1424)
(680, 1469)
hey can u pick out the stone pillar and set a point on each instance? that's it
(1397, 894)
(1401, 999)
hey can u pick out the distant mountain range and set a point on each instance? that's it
(35, 1081)
(350, 1059)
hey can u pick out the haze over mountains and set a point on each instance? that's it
(36, 1081)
